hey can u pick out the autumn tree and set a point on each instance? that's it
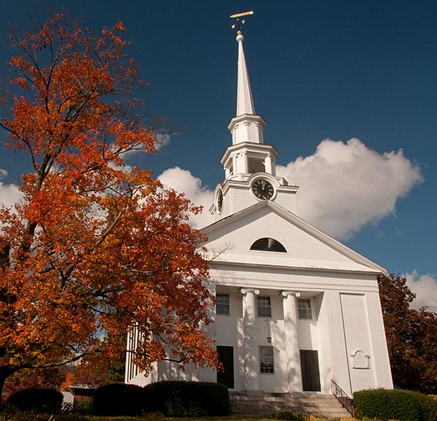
(93, 245)
(411, 336)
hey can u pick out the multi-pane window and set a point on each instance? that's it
(304, 307)
(264, 307)
(222, 304)
(267, 363)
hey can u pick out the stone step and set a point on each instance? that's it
(258, 404)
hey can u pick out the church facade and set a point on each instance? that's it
(295, 308)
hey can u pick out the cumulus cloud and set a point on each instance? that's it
(183, 181)
(425, 288)
(344, 186)
(9, 193)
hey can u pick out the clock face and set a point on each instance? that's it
(262, 189)
(220, 201)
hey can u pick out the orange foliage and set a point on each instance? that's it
(94, 245)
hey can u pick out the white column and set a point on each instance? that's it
(294, 373)
(234, 164)
(245, 168)
(250, 351)
(268, 164)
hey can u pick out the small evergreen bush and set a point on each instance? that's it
(118, 399)
(47, 401)
(402, 405)
(187, 399)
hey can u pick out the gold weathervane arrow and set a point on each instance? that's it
(238, 21)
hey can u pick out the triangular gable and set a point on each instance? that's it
(307, 248)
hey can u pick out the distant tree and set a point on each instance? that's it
(411, 336)
(94, 245)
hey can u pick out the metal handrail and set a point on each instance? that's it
(343, 398)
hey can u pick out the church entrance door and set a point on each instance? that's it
(310, 370)
(226, 356)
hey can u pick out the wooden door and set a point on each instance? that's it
(310, 370)
(226, 356)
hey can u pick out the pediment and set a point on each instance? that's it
(307, 248)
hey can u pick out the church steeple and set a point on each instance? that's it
(249, 164)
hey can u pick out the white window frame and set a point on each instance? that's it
(305, 308)
(264, 306)
(223, 308)
(266, 360)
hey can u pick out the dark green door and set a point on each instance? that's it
(309, 361)
(226, 356)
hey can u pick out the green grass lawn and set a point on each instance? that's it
(149, 418)
(40, 417)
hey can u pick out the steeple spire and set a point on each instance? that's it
(244, 93)
(246, 126)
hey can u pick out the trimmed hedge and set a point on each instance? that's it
(47, 401)
(118, 399)
(402, 405)
(187, 399)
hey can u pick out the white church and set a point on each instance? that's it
(295, 308)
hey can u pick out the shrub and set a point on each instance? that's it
(118, 399)
(84, 406)
(36, 400)
(192, 399)
(402, 405)
(290, 416)
(428, 406)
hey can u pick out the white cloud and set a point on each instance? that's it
(9, 193)
(183, 181)
(344, 186)
(425, 288)
(161, 140)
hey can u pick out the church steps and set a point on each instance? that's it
(259, 404)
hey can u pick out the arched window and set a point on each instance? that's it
(268, 244)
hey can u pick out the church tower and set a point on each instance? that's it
(249, 163)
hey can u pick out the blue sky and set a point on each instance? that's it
(337, 70)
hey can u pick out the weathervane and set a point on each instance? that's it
(238, 25)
